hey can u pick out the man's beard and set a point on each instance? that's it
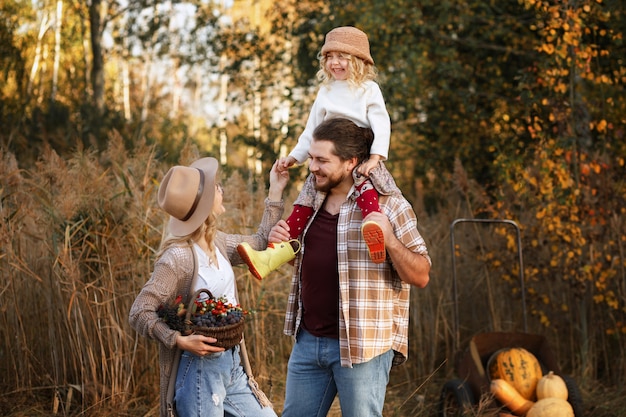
(331, 182)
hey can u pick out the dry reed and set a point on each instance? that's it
(77, 243)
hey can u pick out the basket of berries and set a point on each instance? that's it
(208, 316)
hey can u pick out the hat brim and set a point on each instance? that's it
(336, 46)
(181, 228)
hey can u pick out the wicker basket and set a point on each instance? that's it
(227, 336)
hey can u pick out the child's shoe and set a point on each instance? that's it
(375, 241)
(261, 263)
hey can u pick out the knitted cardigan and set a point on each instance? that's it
(172, 276)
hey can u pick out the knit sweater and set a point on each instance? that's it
(364, 105)
(172, 276)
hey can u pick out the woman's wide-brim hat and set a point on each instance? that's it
(187, 195)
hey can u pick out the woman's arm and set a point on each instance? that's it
(172, 276)
(274, 208)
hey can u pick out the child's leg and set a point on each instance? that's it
(381, 179)
(372, 233)
(368, 198)
(297, 220)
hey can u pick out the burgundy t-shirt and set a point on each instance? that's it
(320, 277)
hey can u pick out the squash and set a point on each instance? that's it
(509, 397)
(551, 407)
(551, 386)
(518, 367)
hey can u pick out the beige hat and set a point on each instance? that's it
(187, 195)
(350, 40)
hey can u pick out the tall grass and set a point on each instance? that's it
(78, 237)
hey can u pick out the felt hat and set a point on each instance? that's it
(187, 195)
(349, 40)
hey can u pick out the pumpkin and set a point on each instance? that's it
(551, 386)
(509, 397)
(518, 367)
(551, 407)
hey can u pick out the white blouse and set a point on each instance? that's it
(219, 279)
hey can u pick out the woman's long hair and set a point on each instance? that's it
(208, 228)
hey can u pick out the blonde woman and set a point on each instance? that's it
(205, 380)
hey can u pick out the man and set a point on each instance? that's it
(350, 316)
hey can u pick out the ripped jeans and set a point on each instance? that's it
(215, 386)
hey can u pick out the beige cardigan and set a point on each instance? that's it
(172, 276)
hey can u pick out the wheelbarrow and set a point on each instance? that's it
(461, 395)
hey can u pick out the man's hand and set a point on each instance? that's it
(412, 267)
(279, 233)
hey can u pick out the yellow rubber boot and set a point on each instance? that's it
(262, 262)
(375, 241)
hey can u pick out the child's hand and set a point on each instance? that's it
(367, 166)
(285, 163)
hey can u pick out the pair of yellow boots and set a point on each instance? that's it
(261, 263)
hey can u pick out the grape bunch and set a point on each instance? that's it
(209, 312)
(173, 315)
(216, 312)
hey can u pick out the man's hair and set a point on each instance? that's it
(349, 139)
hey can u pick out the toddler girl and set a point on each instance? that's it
(349, 90)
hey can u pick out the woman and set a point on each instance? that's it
(209, 381)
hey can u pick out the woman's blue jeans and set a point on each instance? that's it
(215, 386)
(315, 377)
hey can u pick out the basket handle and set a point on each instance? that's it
(193, 300)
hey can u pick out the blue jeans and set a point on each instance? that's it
(215, 386)
(315, 377)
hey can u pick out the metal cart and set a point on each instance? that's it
(462, 394)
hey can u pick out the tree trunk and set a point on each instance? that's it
(57, 49)
(43, 28)
(97, 65)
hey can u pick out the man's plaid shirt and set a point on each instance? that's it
(374, 302)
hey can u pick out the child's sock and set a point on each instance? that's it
(298, 218)
(368, 198)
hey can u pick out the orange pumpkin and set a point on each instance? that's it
(518, 367)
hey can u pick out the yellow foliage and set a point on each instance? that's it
(540, 213)
(560, 88)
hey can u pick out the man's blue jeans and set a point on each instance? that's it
(315, 377)
(216, 386)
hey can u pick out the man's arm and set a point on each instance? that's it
(413, 268)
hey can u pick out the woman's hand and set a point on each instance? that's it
(197, 344)
(278, 182)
